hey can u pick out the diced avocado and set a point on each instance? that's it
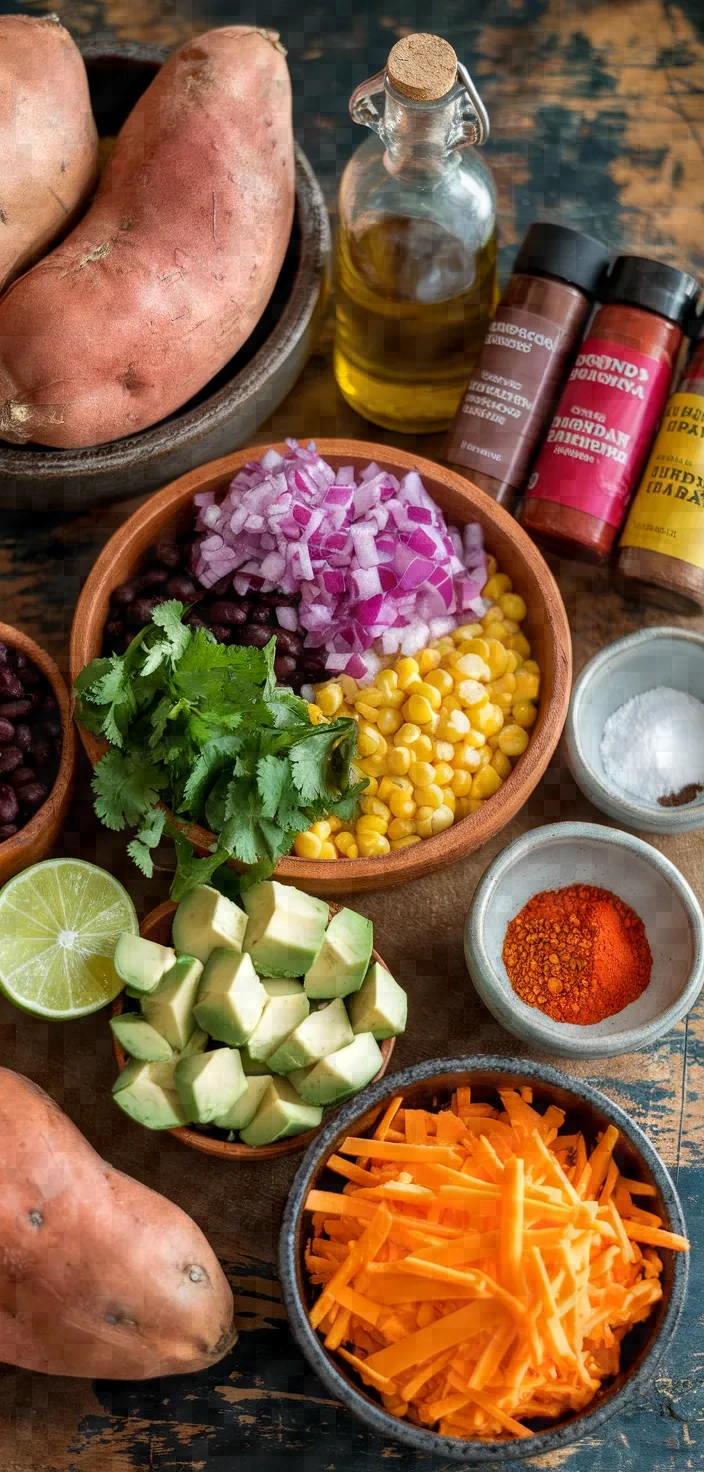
(140, 1039)
(231, 997)
(380, 1006)
(209, 1083)
(253, 1067)
(341, 963)
(170, 1007)
(285, 928)
(206, 920)
(281, 986)
(197, 1043)
(280, 1016)
(142, 1092)
(281, 1113)
(323, 1032)
(244, 1109)
(341, 1073)
(141, 963)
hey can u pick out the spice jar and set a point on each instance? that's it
(662, 547)
(529, 347)
(599, 439)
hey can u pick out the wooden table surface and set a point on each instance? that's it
(598, 119)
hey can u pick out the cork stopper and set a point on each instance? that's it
(422, 67)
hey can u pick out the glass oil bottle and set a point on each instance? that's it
(416, 248)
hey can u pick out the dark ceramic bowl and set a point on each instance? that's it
(424, 1086)
(229, 410)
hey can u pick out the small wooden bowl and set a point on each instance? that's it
(157, 926)
(171, 510)
(41, 832)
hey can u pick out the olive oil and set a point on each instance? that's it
(406, 341)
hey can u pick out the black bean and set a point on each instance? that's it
(194, 621)
(261, 616)
(221, 633)
(223, 585)
(49, 704)
(23, 737)
(41, 752)
(140, 612)
(288, 643)
(124, 594)
(33, 794)
(154, 577)
(183, 587)
(14, 709)
(10, 758)
(114, 628)
(8, 830)
(284, 666)
(9, 805)
(224, 612)
(7, 731)
(52, 728)
(10, 685)
(21, 776)
(253, 635)
(3, 653)
(313, 662)
(168, 553)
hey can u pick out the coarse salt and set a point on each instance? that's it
(653, 745)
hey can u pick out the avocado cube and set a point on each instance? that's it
(285, 928)
(197, 1043)
(231, 998)
(380, 1006)
(146, 1092)
(209, 1083)
(280, 1016)
(323, 1032)
(141, 963)
(253, 1067)
(340, 1074)
(140, 1039)
(342, 961)
(281, 986)
(242, 1112)
(206, 920)
(281, 1113)
(170, 1007)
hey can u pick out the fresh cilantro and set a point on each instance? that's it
(203, 728)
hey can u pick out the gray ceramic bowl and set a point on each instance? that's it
(673, 657)
(424, 1086)
(228, 411)
(586, 853)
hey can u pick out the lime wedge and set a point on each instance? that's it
(59, 923)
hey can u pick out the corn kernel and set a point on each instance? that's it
(403, 804)
(513, 661)
(489, 719)
(329, 698)
(419, 710)
(461, 808)
(368, 740)
(502, 691)
(527, 686)
(429, 693)
(316, 716)
(407, 673)
(430, 796)
(371, 696)
(307, 846)
(372, 806)
(442, 818)
(472, 667)
(387, 788)
(467, 759)
(443, 773)
(511, 628)
(423, 749)
(442, 681)
(485, 756)
(462, 783)
(463, 632)
(373, 766)
(498, 657)
(327, 850)
(344, 842)
(386, 681)
(371, 788)
(407, 735)
(501, 764)
(321, 829)
(369, 823)
(524, 713)
(496, 585)
(450, 703)
(513, 606)
(428, 660)
(454, 726)
(520, 644)
(493, 741)
(514, 740)
(421, 774)
(364, 712)
(399, 760)
(486, 783)
(404, 842)
(496, 629)
(472, 694)
(424, 822)
(492, 565)
(444, 645)
(334, 824)
(532, 667)
(389, 720)
(346, 710)
(448, 798)
(348, 686)
(373, 845)
(400, 828)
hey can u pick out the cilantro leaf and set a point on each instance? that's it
(149, 837)
(126, 787)
(315, 770)
(272, 777)
(238, 829)
(191, 870)
(211, 759)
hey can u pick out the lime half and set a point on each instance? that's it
(59, 923)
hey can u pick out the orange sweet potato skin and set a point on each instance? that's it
(49, 151)
(171, 268)
(99, 1276)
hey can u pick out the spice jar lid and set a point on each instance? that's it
(556, 250)
(422, 67)
(651, 284)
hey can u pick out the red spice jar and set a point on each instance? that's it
(597, 444)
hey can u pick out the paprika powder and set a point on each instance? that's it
(578, 954)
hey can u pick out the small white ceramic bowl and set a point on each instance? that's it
(585, 853)
(672, 657)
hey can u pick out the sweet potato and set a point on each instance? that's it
(99, 1276)
(49, 152)
(171, 268)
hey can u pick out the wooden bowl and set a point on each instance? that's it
(41, 832)
(157, 926)
(228, 411)
(546, 624)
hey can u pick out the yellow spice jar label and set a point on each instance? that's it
(667, 514)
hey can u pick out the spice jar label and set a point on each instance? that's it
(668, 512)
(498, 424)
(603, 428)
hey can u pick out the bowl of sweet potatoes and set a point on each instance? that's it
(181, 308)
